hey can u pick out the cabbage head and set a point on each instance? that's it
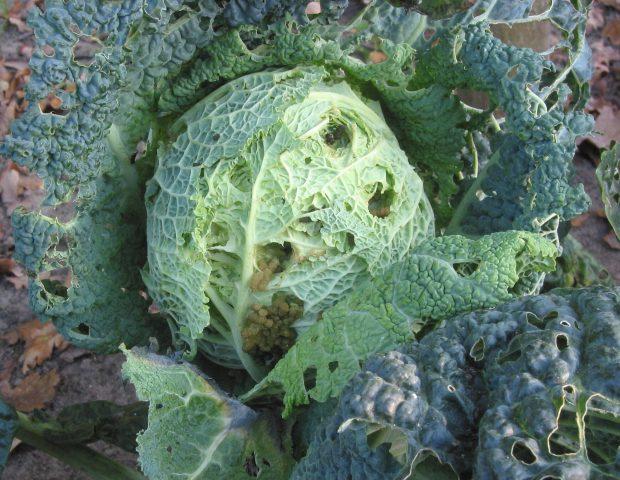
(282, 189)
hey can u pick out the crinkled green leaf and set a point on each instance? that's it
(608, 175)
(195, 430)
(279, 183)
(528, 389)
(100, 251)
(527, 177)
(440, 278)
(8, 427)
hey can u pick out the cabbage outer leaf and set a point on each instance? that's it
(526, 390)
(195, 431)
(441, 277)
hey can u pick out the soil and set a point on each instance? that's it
(85, 376)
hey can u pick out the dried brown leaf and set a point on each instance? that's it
(6, 266)
(607, 127)
(19, 279)
(40, 341)
(611, 30)
(313, 8)
(9, 181)
(612, 241)
(33, 392)
(611, 3)
(580, 220)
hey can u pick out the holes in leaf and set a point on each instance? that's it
(465, 269)
(159, 406)
(451, 388)
(308, 160)
(498, 113)
(600, 431)
(310, 378)
(55, 283)
(169, 449)
(336, 135)
(251, 468)
(564, 440)
(535, 35)
(53, 105)
(350, 240)
(474, 98)
(139, 152)
(477, 350)
(380, 203)
(512, 73)
(187, 238)
(61, 245)
(216, 137)
(561, 341)
(85, 49)
(82, 329)
(429, 33)
(523, 453)
(332, 366)
(534, 320)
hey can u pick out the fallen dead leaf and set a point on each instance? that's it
(6, 266)
(608, 127)
(72, 354)
(33, 392)
(612, 241)
(40, 341)
(313, 8)
(612, 31)
(611, 3)
(18, 12)
(580, 220)
(19, 187)
(600, 213)
(18, 279)
(9, 180)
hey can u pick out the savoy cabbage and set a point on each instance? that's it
(269, 193)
